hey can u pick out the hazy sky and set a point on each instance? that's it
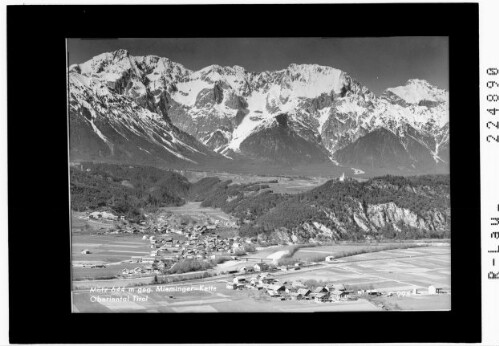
(377, 63)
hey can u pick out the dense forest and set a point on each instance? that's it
(125, 190)
(262, 211)
(389, 206)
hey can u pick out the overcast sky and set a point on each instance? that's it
(377, 63)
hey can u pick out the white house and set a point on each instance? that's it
(261, 267)
(239, 280)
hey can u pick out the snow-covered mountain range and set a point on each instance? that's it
(123, 106)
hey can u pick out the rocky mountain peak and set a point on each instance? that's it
(324, 106)
(120, 54)
(417, 81)
(417, 90)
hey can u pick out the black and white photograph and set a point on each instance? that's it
(259, 174)
(178, 172)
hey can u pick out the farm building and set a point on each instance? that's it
(254, 280)
(148, 259)
(239, 280)
(321, 297)
(277, 288)
(259, 267)
(246, 269)
(136, 259)
(340, 294)
(273, 294)
(304, 292)
(320, 289)
(268, 280)
(296, 296)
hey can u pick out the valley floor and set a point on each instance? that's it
(386, 271)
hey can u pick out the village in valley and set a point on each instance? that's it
(244, 265)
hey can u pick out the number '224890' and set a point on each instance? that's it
(492, 138)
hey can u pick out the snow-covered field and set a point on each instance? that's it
(277, 255)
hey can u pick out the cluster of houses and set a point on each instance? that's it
(160, 225)
(155, 268)
(104, 215)
(297, 290)
(291, 290)
(199, 243)
(264, 266)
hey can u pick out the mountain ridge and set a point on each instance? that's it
(223, 106)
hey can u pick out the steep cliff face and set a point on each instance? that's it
(381, 215)
(369, 223)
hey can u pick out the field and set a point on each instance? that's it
(80, 223)
(109, 250)
(417, 302)
(263, 255)
(392, 270)
(284, 184)
(80, 273)
(311, 253)
(207, 297)
(195, 211)
(386, 270)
